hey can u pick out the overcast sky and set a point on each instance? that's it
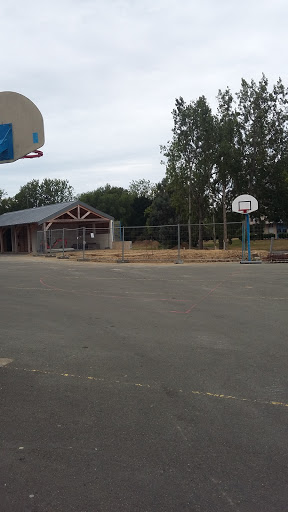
(105, 75)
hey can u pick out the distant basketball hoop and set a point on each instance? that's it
(245, 204)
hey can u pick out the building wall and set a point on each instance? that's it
(33, 231)
(275, 228)
(104, 241)
(270, 228)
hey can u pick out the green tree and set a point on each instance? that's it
(263, 118)
(5, 202)
(161, 211)
(55, 191)
(28, 196)
(116, 201)
(50, 191)
(227, 155)
(8, 205)
(142, 192)
(191, 157)
(142, 188)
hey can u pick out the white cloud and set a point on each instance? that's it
(106, 74)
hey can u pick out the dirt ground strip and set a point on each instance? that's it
(171, 256)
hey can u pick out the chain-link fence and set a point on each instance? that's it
(166, 236)
(70, 240)
(175, 242)
(152, 243)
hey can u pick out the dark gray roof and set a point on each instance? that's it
(43, 213)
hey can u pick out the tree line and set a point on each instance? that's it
(126, 205)
(243, 148)
(210, 159)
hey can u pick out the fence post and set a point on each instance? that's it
(123, 242)
(179, 261)
(214, 231)
(83, 243)
(44, 238)
(63, 257)
(123, 247)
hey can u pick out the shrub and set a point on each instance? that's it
(267, 236)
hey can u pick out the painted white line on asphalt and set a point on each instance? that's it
(4, 361)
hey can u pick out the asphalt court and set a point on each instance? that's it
(143, 387)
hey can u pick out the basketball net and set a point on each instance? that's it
(35, 154)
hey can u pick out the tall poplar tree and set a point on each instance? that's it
(190, 157)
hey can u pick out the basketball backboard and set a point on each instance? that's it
(244, 204)
(21, 127)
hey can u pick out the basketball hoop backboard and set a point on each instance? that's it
(21, 128)
(244, 204)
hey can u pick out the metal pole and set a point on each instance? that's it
(123, 240)
(44, 238)
(243, 240)
(214, 230)
(244, 237)
(63, 235)
(83, 243)
(248, 236)
(271, 244)
(179, 242)
(179, 246)
(189, 213)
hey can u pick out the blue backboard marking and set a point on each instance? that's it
(6, 142)
(35, 138)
